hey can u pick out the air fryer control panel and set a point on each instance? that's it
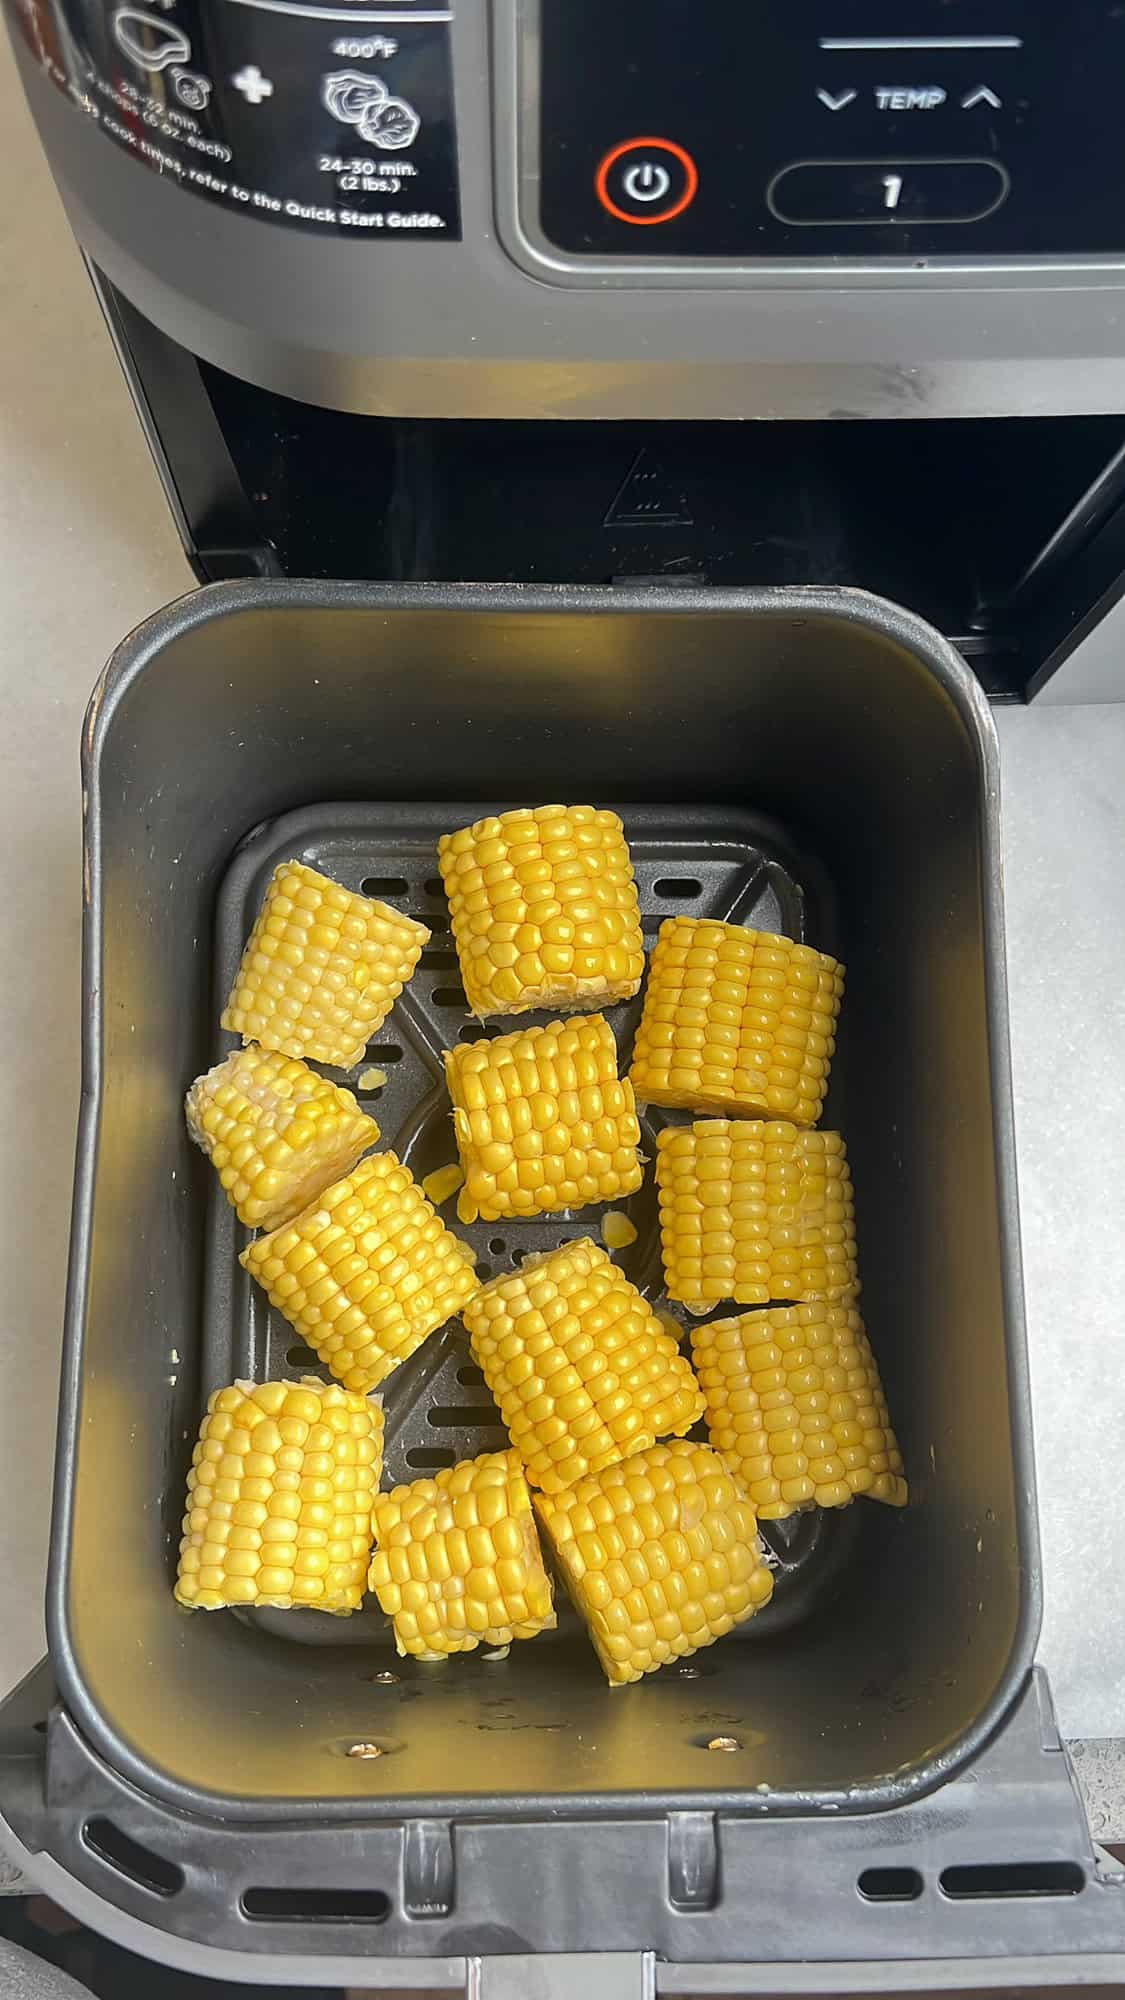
(740, 129)
(316, 116)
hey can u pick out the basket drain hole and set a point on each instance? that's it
(678, 888)
(138, 1864)
(316, 1906)
(1013, 1878)
(384, 885)
(470, 1376)
(385, 1052)
(430, 1457)
(434, 886)
(301, 1357)
(449, 996)
(463, 1416)
(476, 1031)
(890, 1885)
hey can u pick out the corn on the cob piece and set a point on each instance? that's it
(280, 1493)
(796, 1408)
(457, 1562)
(660, 1555)
(542, 1120)
(582, 1369)
(275, 1132)
(366, 1272)
(752, 1212)
(544, 910)
(322, 968)
(736, 1020)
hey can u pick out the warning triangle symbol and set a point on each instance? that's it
(648, 498)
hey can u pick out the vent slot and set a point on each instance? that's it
(316, 1906)
(1013, 1878)
(890, 1885)
(127, 1857)
(678, 888)
(462, 1416)
(384, 885)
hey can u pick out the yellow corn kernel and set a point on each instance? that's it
(660, 1555)
(457, 1561)
(444, 1181)
(371, 1079)
(544, 910)
(299, 1466)
(366, 1272)
(752, 1212)
(796, 1408)
(322, 968)
(736, 1020)
(275, 1132)
(617, 1230)
(542, 1120)
(579, 1364)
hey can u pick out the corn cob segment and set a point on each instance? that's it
(544, 910)
(579, 1364)
(275, 1132)
(660, 1555)
(280, 1492)
(796, 1408)
(366, 1272)
(542, 1120)
(322, 968)
(457, 1562)
(736, 1020)
(752, 1212)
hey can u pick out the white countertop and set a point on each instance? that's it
(87, 548)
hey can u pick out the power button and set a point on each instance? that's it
(646, 181)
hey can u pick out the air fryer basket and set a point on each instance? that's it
(815, 757)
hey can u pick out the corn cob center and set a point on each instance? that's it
(367, 1273)
(280, 1492)
(275, 1132)
(660, 1555)
(579, 1364)
(457, 1561)
(544, 909)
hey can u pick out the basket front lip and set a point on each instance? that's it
(947, 668)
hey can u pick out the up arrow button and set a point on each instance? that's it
(981, 95)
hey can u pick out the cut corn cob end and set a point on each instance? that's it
(366, 1273)
(275, 1132)
(542, 1121)
(580, 1366)
(280, 1492)
(544, 910)
(322, 968)
(796, 1408)
(660, 1555)
(736, 1021)
(752, 1212)
(457, 1562)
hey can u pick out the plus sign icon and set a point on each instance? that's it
(254, 87)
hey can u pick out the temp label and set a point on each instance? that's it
(305, 116)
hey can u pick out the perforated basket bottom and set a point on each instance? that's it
(688, 860)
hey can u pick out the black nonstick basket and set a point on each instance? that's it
(812, 761)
